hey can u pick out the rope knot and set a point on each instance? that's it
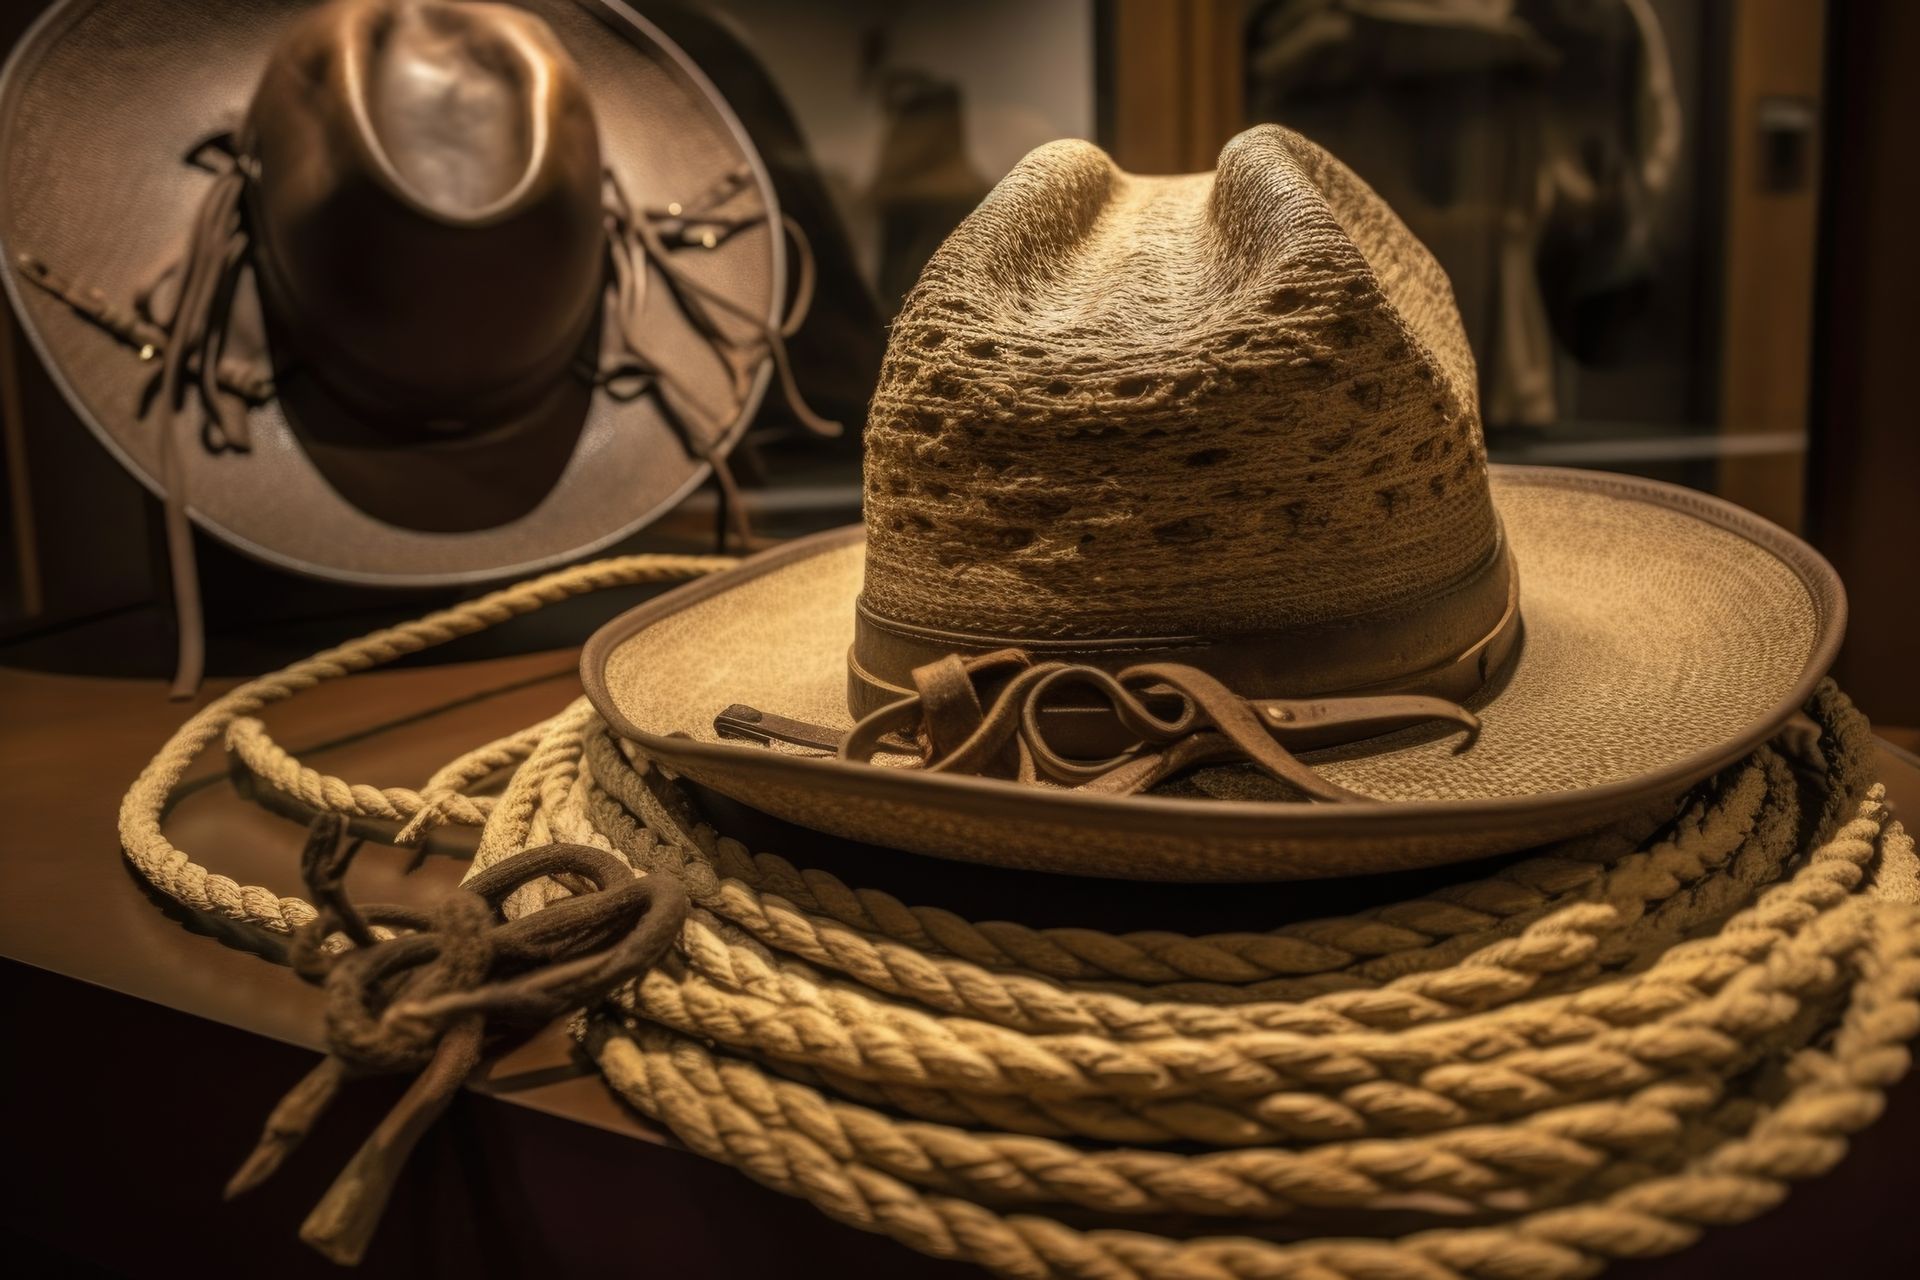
(376, 1031)
(422, 997)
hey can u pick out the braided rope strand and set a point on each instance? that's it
(1009, 997)
(1375, 944)
(1818, 911)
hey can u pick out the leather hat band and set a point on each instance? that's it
(1375, 655)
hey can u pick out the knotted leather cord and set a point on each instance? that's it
(1590, 1052)
(145, 336)
(987, 715)
(421, 1001)
(190, 340)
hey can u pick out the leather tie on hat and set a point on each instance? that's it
(421, 1001)
(190, 340)
(634, 241)
(999, 715)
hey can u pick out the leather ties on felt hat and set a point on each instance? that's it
(636, 238)
(421, 1001)
(999, 715)
(190, 340)
(191, 334)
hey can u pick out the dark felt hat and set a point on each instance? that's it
(441, 350)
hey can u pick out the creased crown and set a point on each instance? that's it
(1215, 405)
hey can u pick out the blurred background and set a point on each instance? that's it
(1679, 232)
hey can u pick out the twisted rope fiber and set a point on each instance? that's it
(247, 740)
(1387, 935)
(1040, 1002)
(1701, 1090)
(1698, 1195)
(1722, 1030)
(1378, 943)
(1012, 1000)
(179, 877)
(857, 955)
(878, 1040)
(860, 1165)
(1214, 1127)
(444, 799)
(1835, 1093)
(1719, 834)
(1482, 1166)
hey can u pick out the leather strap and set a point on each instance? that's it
(998, 715)
(1444, 648)
(422, 1001)
(190, 339)
(649, 237)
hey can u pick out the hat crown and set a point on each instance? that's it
(1217, 405)
(426, 206)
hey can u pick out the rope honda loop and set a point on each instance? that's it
(1593, 1051)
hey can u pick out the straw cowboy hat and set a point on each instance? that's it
(379, 291)
(1171, 478)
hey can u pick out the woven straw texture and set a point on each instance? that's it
(1205, 405)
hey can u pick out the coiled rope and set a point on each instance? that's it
(1589, 1053)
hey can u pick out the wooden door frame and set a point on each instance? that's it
(1767, 296)
(1171, 82)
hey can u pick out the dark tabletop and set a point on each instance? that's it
(146, 1046)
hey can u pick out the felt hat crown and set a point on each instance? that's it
(426, 206)
(1227, 416)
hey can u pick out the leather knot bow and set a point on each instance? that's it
(1004, 715)
(422, 1000)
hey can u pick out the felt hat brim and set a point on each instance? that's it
(1666, 634)
(99, 105)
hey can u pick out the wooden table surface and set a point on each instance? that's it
(147, 1044)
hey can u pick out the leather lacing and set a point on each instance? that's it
(649, 238)
(423, 1001)
(189, 339)
(1000, 715)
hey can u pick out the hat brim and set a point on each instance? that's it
(1666, 634)
(98, 107)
